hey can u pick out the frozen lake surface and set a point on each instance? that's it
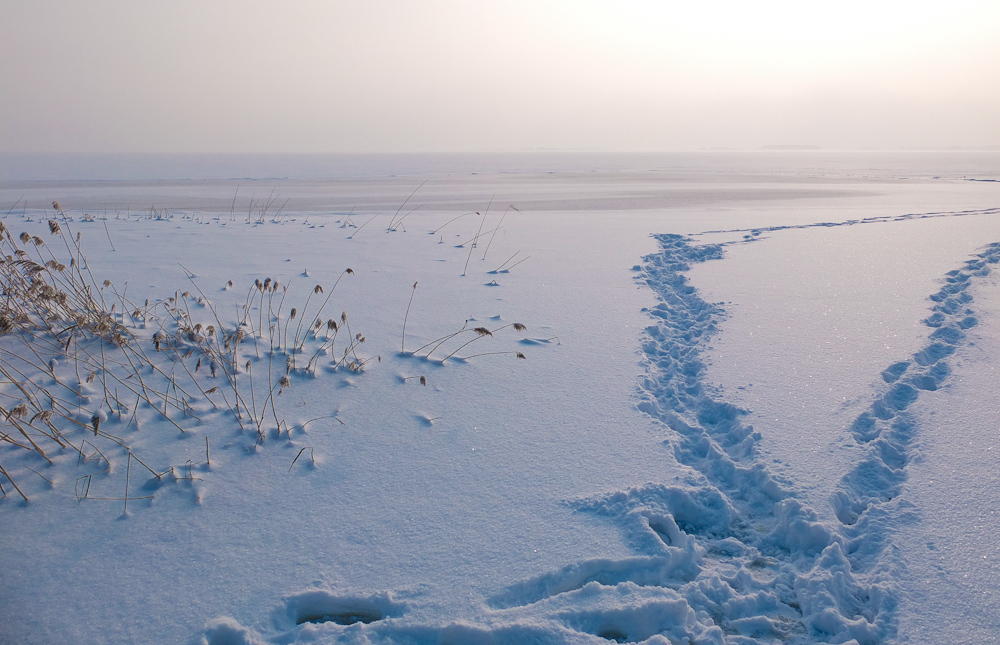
(755, 403)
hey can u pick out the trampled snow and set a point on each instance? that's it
(755, 403)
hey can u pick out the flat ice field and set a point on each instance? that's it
(705, 398)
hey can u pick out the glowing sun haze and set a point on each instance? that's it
(440, 75)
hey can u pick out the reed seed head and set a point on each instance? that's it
(482, 331)
(54, 227)
(56, 206)
(19, 411)
(522, 356)
(42, 416)
(423, 380)
(293, 313)
(520, 327)
(349, 270)
(331, 324)
(318, 289)
(25, 237)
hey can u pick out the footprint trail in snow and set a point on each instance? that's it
(724, 554)
(729, 555)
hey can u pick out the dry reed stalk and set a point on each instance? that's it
(469, 257)
(312, 456)
(517, 263)
(517, 355)
(490, 243)
(402, 345)
(305, 308)
(395, 226)
(392, 222)
(51, 485)
(13, 483)
(232, 208)
(500, 268)
(482, 332)
(128, 471)
(108, 233)
(440, 341)
(358, 230)
(435, 231)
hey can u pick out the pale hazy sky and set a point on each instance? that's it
(443, 75)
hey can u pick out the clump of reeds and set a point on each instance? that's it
(80, 359)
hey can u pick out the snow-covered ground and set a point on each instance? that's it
(755, 403)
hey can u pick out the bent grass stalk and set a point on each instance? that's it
(490, 243)
(393, 222)
(435, 231)
(482, 332)
(396, 225)
(358, 230)
(402, 344)
(483, 221)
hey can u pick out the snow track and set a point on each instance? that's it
(745, 555)
(724, 554)
(746, 559)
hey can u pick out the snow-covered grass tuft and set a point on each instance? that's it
(84, 364)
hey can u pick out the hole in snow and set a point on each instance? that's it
(341, 619)
(318, 606)
(613, 634)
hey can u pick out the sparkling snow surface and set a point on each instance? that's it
(757, 404)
